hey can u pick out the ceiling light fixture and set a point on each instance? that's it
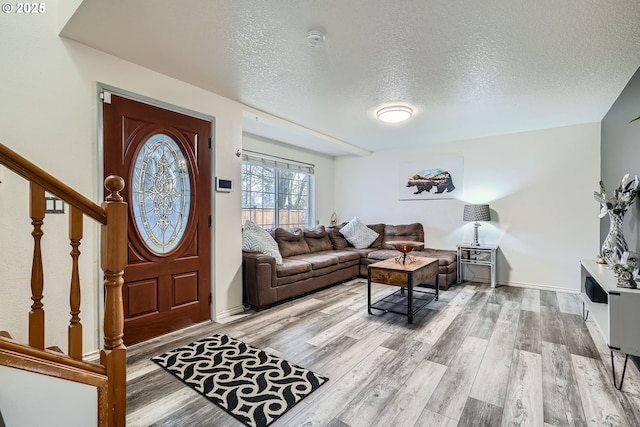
(394, 114)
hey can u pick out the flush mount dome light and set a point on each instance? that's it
(394, 114)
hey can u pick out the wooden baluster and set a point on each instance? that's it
(36, 315)
(75, 327)
(113, 259)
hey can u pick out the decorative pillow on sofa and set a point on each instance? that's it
(291, 242)
(256, 239)
(358, 234)
(317, 239)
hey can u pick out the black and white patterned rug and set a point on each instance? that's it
(253, 386)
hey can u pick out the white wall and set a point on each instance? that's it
(31, 399)
(49, 114)
(323, 170)
(539, 186)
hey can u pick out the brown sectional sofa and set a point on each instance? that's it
(319, 257)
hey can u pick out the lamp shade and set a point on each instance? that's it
(476, 213)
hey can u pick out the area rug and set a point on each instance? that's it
(253, 386)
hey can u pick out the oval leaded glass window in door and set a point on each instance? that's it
(161, 193)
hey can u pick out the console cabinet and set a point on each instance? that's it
(617, 320)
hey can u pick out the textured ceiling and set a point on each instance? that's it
(468, 68)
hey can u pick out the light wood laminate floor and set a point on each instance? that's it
(478, 357)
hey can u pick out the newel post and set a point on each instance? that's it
(113, 260)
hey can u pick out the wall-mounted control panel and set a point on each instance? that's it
(224, 185)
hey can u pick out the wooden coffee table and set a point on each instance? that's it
(408, 275)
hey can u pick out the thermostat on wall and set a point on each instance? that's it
(224, 185)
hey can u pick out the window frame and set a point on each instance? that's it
(279, 165)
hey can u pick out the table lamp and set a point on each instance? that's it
(476, 213)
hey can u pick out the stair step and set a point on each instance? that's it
(5, 334)
(55, 348)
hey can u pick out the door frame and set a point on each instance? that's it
(100, 88)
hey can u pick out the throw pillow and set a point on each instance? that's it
(256, 239)
(358, 234)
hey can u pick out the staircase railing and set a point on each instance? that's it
(112, 215)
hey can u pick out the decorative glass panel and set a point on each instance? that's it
(161, 193)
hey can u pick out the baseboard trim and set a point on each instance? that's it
(539, 287)
(220, 317)
(528, 285)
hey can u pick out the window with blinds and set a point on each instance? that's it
(277, 192)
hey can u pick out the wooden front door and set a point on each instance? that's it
(165, 159)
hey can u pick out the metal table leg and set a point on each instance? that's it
(369, 291)
(410, 297)
(613, 371)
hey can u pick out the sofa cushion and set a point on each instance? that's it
(363, 252)
(318, 260)
(445, 257)
(358, 234)
(317, 239)
(346, 256)
(378, 228)
(291, 242)
(337, 240)
(256, 239)
(292, 267)
(413, 232)
(382, 254)
(321, 262)
(294, 279)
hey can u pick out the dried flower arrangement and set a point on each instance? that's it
(622, 197)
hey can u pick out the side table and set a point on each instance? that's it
(410, 276)
(477, 255)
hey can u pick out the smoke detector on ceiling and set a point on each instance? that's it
(315, 38)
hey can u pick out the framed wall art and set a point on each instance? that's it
(432, 178)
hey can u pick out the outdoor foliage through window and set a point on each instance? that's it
(276, 194)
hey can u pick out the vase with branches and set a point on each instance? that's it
(616, 206)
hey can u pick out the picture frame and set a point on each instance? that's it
(432, 178)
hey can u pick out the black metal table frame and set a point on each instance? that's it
(585, 317)
(410, 290)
